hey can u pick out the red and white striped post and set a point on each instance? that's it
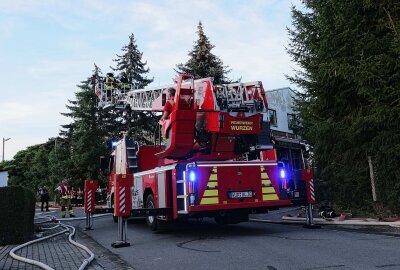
(122, 206)
(89, 201)
(308, 177)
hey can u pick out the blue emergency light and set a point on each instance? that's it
(192, 176)
(282, 173)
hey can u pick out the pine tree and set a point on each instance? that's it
(139, 125)
(202, 62)
(349, 52)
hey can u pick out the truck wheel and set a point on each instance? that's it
(151, 220)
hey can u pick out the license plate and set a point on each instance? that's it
(241, 194)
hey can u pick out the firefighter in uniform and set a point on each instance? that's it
(110, 84)
(65, 198)
(169, 104)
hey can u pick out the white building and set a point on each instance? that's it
(289, 148)
(280, 105)
(3, 178)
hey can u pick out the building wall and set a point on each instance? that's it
(3, 178)
(281, 100)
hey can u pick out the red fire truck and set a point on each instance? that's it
(217, 159)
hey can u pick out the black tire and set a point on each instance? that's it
(151, 220)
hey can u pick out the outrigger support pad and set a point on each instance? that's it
(310, 223)
(122, 227)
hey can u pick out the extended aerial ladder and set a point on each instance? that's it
(202, 106)
(247, 96)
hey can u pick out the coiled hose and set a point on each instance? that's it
(70, 239)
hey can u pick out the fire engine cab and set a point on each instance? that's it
(215, 157)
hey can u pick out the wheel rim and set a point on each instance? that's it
(150, 218)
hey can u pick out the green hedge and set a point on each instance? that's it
(17, 210)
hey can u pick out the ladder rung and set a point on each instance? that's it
(181, 196)
(180, 181)
(183, 212)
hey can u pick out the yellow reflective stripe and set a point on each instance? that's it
(211, 192)
(264, 175)
(262, 168)
(209, 200)
(268, 190)
(213, 177)
(212, 184)
(270, 197)
(266, 182)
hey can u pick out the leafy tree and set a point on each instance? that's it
(30, 167)
(132, 70)
(202, 62)
(349, 52)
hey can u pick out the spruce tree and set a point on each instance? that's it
(132, 68)
(349, 52)
(87, 135)
(202, 62)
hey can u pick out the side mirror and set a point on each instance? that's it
(163, 99)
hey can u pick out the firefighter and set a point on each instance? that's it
(44, 197)
(65, 198)
(110, 85)
(124, 84)
(169, 104)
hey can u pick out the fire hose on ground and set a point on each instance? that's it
(86, 261)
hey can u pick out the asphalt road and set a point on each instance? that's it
(205, 245)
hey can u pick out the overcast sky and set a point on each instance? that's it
(48, 47)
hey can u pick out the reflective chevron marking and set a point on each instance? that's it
(268, 192)
(210, 195)
(89, 201)
(122, 199)
(312, 194)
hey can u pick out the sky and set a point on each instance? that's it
(48, 46)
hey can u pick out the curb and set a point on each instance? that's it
(321, 221)
(395, 224)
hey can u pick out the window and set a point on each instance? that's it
(272, 118)
(292, 121)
